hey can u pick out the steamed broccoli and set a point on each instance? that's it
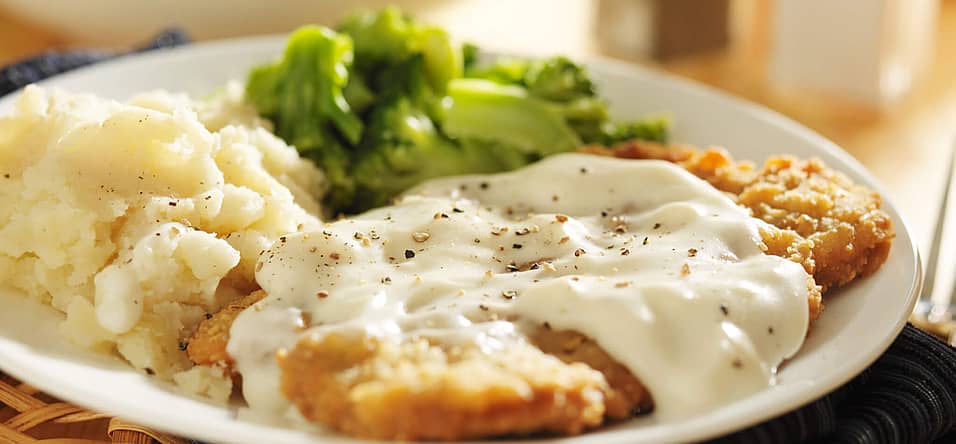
(403, 145)
(482, 109)
(556, 78)
(568, 87)
(389, 36)
(653, 129)
(409, 149)
(387, 102)
(302, 93)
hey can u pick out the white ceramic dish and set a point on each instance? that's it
(859, 323)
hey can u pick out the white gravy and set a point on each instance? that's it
(658, 267)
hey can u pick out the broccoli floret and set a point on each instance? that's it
(357, 93)
(469, 55)
(335, 162)
(380, 37)
(558, 79)
(408, 149)
(302, 93)
(403, 145)
(382, 105)
(555, 79)
(388, 37)
(482, 109)
(505, 71)
(654, 129)
(587, 116)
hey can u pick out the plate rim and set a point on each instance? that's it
(63, 389)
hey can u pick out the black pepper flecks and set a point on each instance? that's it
(657, 225)
(724, 309)
(509, 294)
(409, 254)
(737, 363)
(183, 346)
(483, 185)
(645, 240)
(517, 246)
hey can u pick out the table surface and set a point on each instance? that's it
(905, 146)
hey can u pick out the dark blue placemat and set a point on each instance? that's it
(34, 69)
(908, 396)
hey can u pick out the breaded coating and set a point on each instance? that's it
(626, 395)
(835, 228)
(422, 391)
(207, 346)
(416, 390)
(560, 382)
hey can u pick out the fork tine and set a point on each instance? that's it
(926, 294)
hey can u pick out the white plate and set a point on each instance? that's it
(859, 323)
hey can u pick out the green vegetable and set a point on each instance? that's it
(409, 149)
(568, 86)
(388, 37)
(387, 102)
(469, 56)
(483, 109)
(403, 146)
(556, 78)
(302, 93)
(653, 129)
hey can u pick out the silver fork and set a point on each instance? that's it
(935, 315)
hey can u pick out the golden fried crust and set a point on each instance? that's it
(420, 391)
(626, 395)
(207, 346)
(562, 381)
(832, 226)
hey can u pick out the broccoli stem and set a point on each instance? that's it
(482, 109)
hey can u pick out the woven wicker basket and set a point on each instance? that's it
(30, 416)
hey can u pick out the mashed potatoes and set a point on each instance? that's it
(137, 220)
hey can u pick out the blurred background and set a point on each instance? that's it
(875, 76)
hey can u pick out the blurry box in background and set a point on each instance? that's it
(662, 29)
(866, 50)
